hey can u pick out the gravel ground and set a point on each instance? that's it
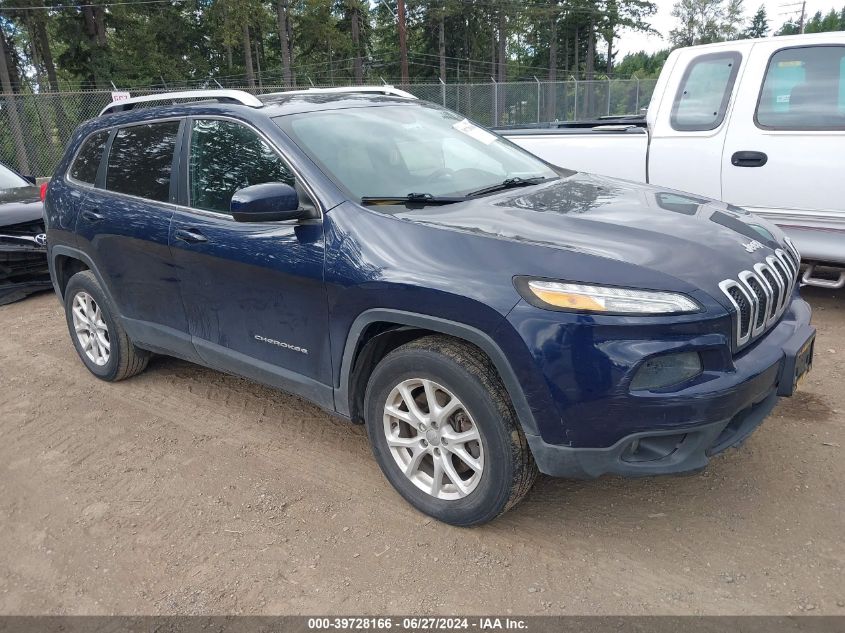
(188, 491)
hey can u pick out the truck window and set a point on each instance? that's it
(705, 91)
(804, 89)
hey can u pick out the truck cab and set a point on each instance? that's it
(756, 123)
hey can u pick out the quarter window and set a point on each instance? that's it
(141, 160)
(87, 163)
(705, 91)
(804, 89)
(225, 157)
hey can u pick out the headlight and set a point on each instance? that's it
(667, 370)
(580, 297)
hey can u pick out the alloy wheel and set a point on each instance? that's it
(433, 439)
(91, 330)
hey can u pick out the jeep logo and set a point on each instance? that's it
(752, 246)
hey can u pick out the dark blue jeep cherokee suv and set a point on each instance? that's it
(484, 314)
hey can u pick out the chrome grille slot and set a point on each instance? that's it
(761, 295)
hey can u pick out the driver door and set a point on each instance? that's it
(253, 292)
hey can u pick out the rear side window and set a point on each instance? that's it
(804, 89)
(84, 168)
(141, 160)
(705, 91)
(226, 156)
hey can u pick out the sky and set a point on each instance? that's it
(663, 22)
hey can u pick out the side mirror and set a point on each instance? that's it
(31, 180)
(268, 202)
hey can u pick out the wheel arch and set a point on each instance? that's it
(65, 262)
(379, 331)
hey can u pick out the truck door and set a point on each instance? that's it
(785, 145)
(689, 128)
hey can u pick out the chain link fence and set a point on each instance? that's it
(34, 128)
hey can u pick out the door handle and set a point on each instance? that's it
(92, 216)
(749, 159)
(191, 236)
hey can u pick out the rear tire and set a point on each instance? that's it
(97, 333)
(463, 460)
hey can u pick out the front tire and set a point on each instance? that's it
(444, 432)
(96, 331)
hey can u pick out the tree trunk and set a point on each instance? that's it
(292, 53)
(577, 51)
(12, 108)
(590, 69)
(258, 59)
(609, 53)
(282, 13)
(358, 66)
(551, 98)
(503, 61)
(250, 73)
(100, 24)
(441, 35)
(40, 25)
(403, 41)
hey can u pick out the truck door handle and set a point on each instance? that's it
(191, 236)
(749, 159)
(92, 216)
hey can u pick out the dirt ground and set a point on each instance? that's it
(188, 491)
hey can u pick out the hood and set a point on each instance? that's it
(696, 240)
(20, 205)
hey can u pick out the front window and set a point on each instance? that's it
(10, 180)
(225, 157)
(397, 150)
(804, 89)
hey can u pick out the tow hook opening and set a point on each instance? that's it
(652, 448)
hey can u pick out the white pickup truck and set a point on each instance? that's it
(757, 123)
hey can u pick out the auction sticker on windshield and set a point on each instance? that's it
(479, 134)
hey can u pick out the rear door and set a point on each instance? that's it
(689, 132)
(784, 151)
(124, 225)
(253, 292)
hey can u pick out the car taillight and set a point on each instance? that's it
(43, 191)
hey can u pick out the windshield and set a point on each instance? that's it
(393, 151)
(10, 180)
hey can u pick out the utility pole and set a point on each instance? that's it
(403, 41)
(802, 20)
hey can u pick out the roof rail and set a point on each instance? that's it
(222, 96)
(384, 90)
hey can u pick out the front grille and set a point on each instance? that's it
(761, 295)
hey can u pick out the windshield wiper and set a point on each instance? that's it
(509, 183)
(412, 198)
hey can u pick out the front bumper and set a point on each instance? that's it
(652, 453)
(678, 432)
(23, 271)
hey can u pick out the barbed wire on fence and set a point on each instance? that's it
(35, 128)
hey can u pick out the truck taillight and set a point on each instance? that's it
(43, 191)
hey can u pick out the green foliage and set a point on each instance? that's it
(758, 27)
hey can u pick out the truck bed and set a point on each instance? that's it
(609, 147)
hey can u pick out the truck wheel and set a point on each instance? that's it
(97, 333)
(444, 432)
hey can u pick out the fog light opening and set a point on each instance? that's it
(660, 372)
